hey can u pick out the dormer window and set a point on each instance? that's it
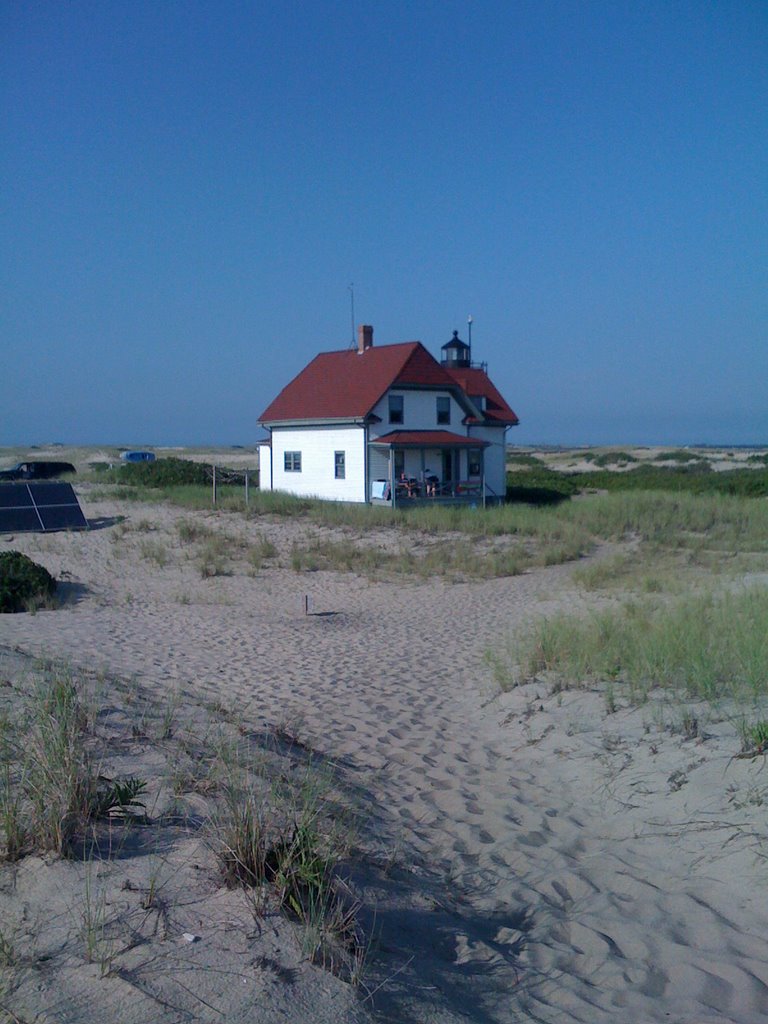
(396, 408)
(443, 410)
(479, 401)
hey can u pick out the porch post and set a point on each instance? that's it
(392, 475)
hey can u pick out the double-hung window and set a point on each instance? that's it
(292, 462)
(443, 410)
(396, 405)
(339, 467)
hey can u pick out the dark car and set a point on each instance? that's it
(36, 470)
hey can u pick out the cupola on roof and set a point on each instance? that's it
(456, 352)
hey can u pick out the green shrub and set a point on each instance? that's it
(163, 473)
(23, 583)
(679, 455)
(523, 459)
(696, 477)
(612, 458)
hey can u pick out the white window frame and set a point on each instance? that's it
(292, 462)
(397, 409)
(339, 465)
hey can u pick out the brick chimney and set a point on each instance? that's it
(364, 338)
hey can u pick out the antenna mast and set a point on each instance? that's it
(469, 329)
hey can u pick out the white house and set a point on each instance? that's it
(388, 424)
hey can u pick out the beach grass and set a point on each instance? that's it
(51, 781)
(710, 646)
(671, 530)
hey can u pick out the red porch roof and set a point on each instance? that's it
(428, 439)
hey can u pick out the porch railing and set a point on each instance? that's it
(411, 493)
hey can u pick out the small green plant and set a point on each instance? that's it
(8, 954)
(754, 737)
(93, 923)
(168, 717)
(151, 898)
(154, 551)
(260, 552)
(283, 844)
(242, 837)
(610, 699)
(24, 585)
(191, 530)
(12, 822)
(214, 557)
(118, 798)
(300, 871)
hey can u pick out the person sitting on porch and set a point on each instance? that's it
(406, 485)
(431, 482)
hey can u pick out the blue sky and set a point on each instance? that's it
(188, 190)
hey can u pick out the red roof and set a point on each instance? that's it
(428, 439)
(348, 384)
(476, 382)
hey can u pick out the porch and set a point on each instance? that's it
(409, 468)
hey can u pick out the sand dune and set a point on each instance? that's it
(549, 861)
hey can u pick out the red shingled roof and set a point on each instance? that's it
(477, 382)
(348, 384)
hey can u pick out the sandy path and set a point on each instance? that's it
(548, 902)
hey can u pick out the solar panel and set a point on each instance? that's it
(28, 507)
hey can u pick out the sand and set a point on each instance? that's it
(525, 856)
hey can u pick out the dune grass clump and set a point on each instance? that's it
(24, 585)
(707, 646)
(284, 843)
(754, 737)
(213, 559)
(190, 531)
(154, 551)
(259, 552)
(51, 784)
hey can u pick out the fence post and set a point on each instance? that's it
(246, 487)
(214, 485)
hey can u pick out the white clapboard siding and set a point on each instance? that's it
(419, 412)
(265, 467)
(494, 458)
(317, 446)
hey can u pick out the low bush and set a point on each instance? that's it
(163, 473)
(24, 584)
(523, 459)
(679, 455)
(696, 477)
(613, 458)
